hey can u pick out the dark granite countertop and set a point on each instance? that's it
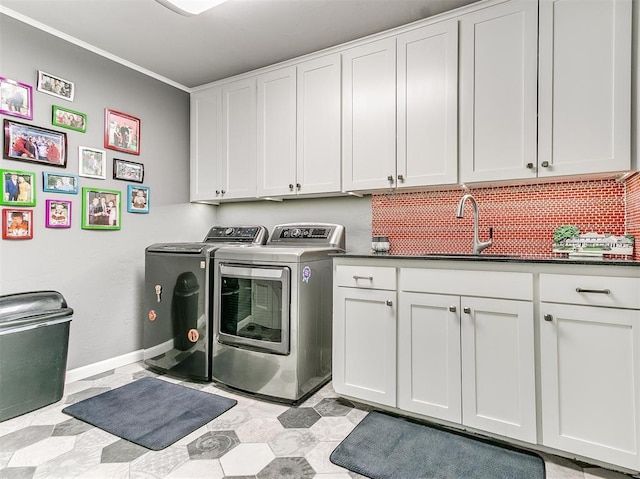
(504, 258)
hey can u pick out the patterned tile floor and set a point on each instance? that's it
(253, 440)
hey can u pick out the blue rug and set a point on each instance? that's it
(389, 447)
(150, 412)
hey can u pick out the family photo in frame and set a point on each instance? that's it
(121, 132)
(16, 99)
(73, 120)
(56, 86)
(34, 144)
(17, 224)
(100, 209)
(59, 183)
(128, 170)
(18, 188)
(92, 163)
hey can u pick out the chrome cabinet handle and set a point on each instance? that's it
(545, 164)
(401, 178)
(217, 192)
(298, 186)
(291, 186)
(388, 302)
(597, 291)
(467, 310)
(390, 179)
(356, 277)
(223, 192)
(530, 166)
(548, 317)
(453, 309)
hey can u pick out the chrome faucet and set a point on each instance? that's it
(478, 246)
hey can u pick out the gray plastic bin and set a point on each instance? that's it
(34, 338)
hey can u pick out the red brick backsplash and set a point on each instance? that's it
(523, 217)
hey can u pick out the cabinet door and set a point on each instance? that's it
(429, 355)
(318, 160)
(585, 86)
(498, 367)
(206, 144)
(428, 105)
(369, 116)
(277, 133)
(498, 92)
(364, 344)
(239, 139)
(589, 362)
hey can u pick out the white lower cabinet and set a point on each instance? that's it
(364, 333)
(466, 359)
(590, 366)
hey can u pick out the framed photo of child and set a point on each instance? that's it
(17, 224)
(58, 214)
(16, 99)
(18, 188)
(137, 199)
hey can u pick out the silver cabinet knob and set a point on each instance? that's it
(390, 178)
(530, 166)
(291, 186)
(388, 302)
(453, 309)
(217, 192)
(548, 317)
(545, 164)
(467, 310)
(401, 178)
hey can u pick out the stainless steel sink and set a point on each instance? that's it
(470, 255)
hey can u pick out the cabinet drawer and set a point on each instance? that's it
(488, 284)
(369, 277)
(590, 290)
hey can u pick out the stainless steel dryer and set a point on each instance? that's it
(177, 298)
(273, 312)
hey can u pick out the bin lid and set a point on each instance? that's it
(19, 309)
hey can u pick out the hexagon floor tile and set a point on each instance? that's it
(253, 440)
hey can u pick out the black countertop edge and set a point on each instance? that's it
(494, 258)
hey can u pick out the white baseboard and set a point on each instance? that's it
(89, 370)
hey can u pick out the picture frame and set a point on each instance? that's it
(138, 199)
(16, 99)
(18, 188)
(56, 86)
(17, 224)
(58, 214)
(60, 183)
(101, 209)
(92, 163)
(34, 144)
(121, 132)
(70, 119)
(128, 170)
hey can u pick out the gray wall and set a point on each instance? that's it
(101, 273)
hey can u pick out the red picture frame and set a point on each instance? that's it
(121, 132)
(17, 224)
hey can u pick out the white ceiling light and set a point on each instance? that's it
(190, 7)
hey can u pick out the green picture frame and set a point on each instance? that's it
(101, 209)
(18, 188)
(69, 119)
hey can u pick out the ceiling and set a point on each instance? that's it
(233, 38)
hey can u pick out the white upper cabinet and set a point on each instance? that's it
(585, 86)
(427, 105)
(239, 139)
(299, 129)
(498, 72)
(206, 144)
(277, 132)
(319, 112)
(369, 116)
